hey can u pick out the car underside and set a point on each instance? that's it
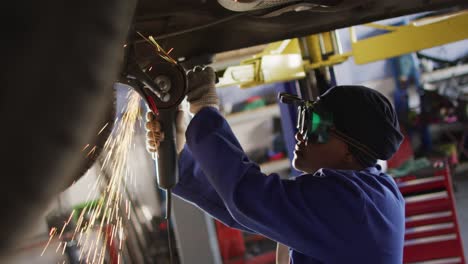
(202, 27)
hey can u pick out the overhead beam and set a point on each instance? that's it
(410, 38)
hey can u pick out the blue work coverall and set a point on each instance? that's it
(332, 216)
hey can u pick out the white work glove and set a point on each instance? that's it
(201, 86)
(154, 135)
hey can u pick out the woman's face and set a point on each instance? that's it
(309, 157)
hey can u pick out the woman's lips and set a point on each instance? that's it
(299, 146)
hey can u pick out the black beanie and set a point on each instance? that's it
(364, 118)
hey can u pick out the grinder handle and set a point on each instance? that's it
(167, 169)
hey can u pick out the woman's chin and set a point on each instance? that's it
(296, 163)
(299, 164)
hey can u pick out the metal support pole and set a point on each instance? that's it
(310, 46)
(195, 234)
(336, 42)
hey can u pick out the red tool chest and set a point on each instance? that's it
(232, 247)
(432, 232)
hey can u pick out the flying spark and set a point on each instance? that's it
(91, 151)
(52, 232)
(102, 129)
(64, 247)
(60, 244)
(100, 220)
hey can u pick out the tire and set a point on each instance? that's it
(98, 140)
(62, 58)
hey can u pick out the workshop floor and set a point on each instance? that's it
(461, 196)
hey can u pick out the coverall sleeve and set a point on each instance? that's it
(194, 187)
(304, 214)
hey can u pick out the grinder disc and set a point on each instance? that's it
(169, 77)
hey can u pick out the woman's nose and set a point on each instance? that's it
(299, 137)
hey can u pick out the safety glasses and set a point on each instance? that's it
(314, 123)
